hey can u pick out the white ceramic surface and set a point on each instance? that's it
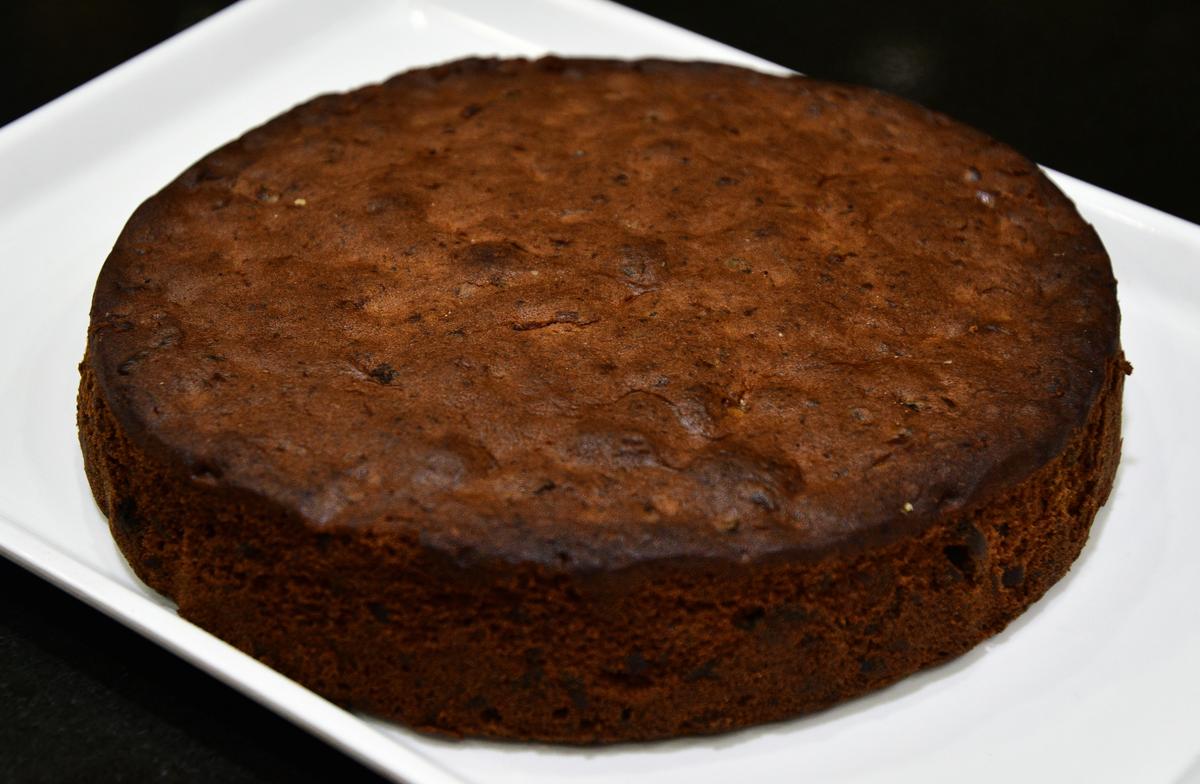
(1099, 682)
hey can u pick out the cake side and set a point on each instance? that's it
(667, 648)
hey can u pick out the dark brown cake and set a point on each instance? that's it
(590, 401)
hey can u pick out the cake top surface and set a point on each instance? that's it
(597, 312)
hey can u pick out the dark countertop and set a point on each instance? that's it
(1105, 91)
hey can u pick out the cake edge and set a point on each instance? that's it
(375, 621)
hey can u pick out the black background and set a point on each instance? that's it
(1106, 91)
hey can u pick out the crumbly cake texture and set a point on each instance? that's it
(588, 401)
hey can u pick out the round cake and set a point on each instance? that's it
(589, 401)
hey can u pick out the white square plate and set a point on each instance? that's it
(1099, 682)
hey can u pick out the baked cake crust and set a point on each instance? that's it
(587, 400)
